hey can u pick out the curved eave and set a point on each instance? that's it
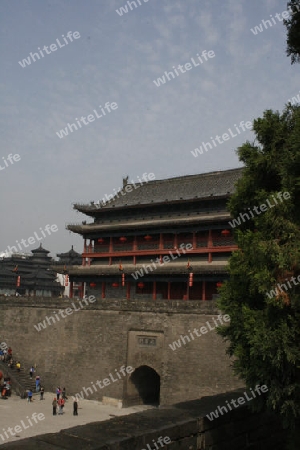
(93, 211)
(128, 269)
(146, 224)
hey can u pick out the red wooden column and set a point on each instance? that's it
(203, 290)
(110, 245)
(210, 245)
(210, 241)
(194, 240)
(169, 290)
(84, 251)
(103, 289)
(175, 245)
(90, 251)
(161, 241)
(82, 289)
(134, 249)
(71, 289)
(110, 249)
(128, 291)
(154, 290)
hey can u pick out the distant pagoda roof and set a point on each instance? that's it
(188, 187)
(70, 254)
(41, 250)
(40, 274)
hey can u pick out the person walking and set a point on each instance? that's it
(58, 391)
(29, 396)
(31, 371)
(75, 407)
(18, 366)
(60, 407)
(37, 384)
(64, 395)
(42, 393)
(54, 405)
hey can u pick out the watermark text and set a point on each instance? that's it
(53, 47)
(221, 410)
(167, 76)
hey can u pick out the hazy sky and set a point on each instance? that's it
(115, 59)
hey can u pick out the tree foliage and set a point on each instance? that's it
(293, 31)
(264, 332)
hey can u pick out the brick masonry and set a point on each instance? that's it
(94, 342)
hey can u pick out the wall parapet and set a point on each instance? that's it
(157, 306)
(185, 424)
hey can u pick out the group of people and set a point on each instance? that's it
(5, 387)
(30, 394)
(60, 400)
(5, 353)
(6, 356)
(5, 383)
(38, 387)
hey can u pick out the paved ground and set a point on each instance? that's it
(14, 410)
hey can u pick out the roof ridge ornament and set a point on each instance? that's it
(125, 181)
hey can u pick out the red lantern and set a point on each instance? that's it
(148, 237)
(123, 279)
(140, 285)
(123, 239)
(219, 284)
(66, 280)
(18, 281)
(93, 285)
(225, 232)
(115, 285)
(191, 278)
(100, 240)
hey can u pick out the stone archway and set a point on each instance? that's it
(144, 386)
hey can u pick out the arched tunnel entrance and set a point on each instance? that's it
(145, 381)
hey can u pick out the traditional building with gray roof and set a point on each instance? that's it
(162, 239)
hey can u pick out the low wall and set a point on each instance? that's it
(182, 427)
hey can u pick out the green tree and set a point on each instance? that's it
(293, 31)
(264, 332)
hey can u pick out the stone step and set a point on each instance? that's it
(22, 377)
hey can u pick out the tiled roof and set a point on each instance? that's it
(41, 250)
(189, 187)
(199, 267)
(71, 253)
(145, 223)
